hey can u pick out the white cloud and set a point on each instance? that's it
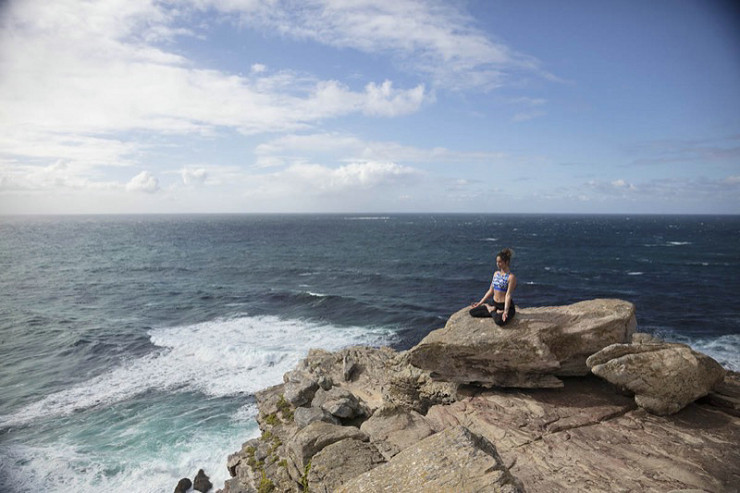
(623, 185)
(433, 38)
(383, 100)
(347, 178)
(59, 176)
(349, 148)
(527, 115)
(76, 75)
(143, 182)
(193, 176)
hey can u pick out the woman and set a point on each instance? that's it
(502, 287)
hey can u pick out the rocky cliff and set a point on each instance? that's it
(477, 407)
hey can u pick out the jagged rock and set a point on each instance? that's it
(643, 338)
(532, 351)
(338, 402)
(267, 400)
(393, 430)
(317, 435)
(340, 462)
(348, 367)
(325, 382)
(232, 462)
(201, 482)
(664, 377)
(413, 388)
(300, 391)
(183, 485)
(453, 460)
(304, 416)
(234, 486)
(726, 394)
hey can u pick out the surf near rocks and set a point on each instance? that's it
(365, 418)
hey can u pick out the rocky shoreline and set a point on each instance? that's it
(477, 407)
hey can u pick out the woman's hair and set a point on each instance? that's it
(506, 254)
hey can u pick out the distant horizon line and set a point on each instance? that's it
(368, 214)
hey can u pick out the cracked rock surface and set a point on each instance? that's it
(587, 437)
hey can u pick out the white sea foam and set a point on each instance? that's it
(725, 349)
(62, 466)
(490, 239)
(217, 358)
(367, 218)
(636, 273)
(679, 243)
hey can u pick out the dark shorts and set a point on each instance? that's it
(481, 311)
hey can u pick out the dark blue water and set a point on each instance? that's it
(131, 345)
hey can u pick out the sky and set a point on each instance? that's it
(369, 106)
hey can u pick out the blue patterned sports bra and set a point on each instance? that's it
(500, 282)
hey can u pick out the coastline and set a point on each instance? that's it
(378, 416)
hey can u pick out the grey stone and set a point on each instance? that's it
(304, 416)
(349, 365)
(325, 382)
(317, 435)
(300, 392)
(339, 402)
(340, 462)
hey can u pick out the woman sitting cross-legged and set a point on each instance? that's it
(502, 287)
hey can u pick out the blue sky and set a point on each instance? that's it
(130, 106)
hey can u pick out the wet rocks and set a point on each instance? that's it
(183, 485)
(201, 482)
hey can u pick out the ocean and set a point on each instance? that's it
(131, 346)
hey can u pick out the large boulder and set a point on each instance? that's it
(340, 462)
(532, 351)
(665, 377)
(453, 460)
(299, 388)
(317, 435)
(304, 416)
(338, 402)
(392, 430)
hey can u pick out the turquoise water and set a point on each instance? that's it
(131, 346)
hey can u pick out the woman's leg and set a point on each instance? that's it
(480, 311)
(499, 319)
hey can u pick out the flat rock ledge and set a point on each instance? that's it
(367, 420)
(534, 350)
